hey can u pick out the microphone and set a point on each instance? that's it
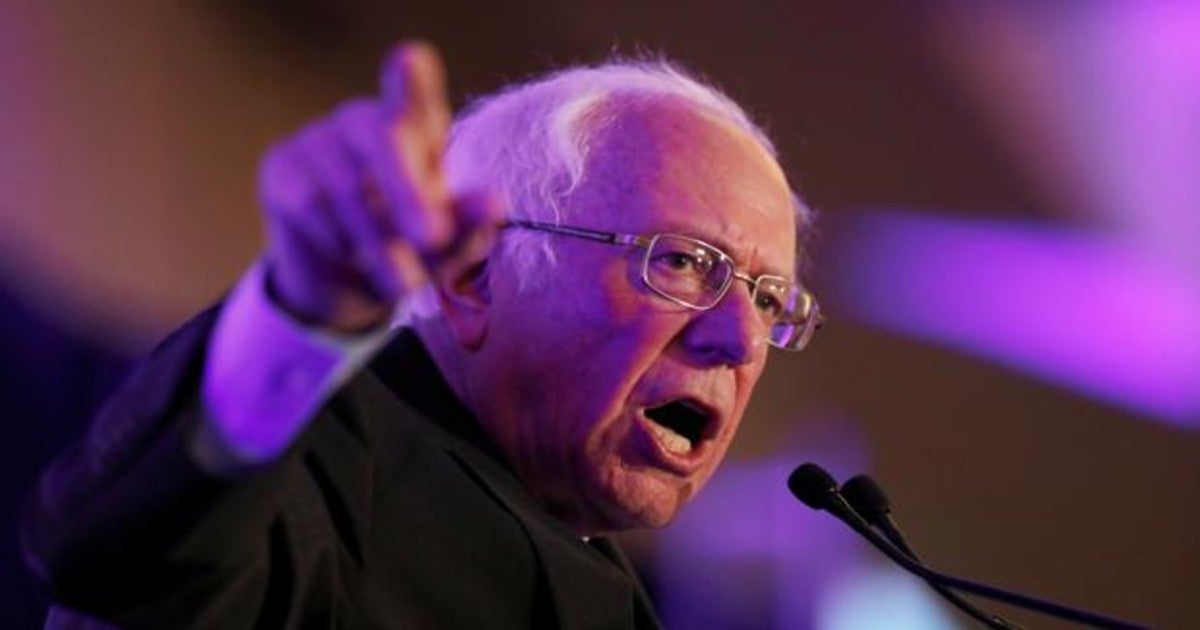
(868, 499)
(812, 485)
(818, 490)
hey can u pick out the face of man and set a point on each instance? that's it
(613, 404)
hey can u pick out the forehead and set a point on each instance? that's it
(660, 165)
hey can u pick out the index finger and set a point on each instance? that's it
(413, 85)
(416, 123)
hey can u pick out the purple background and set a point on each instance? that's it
(1008, 255)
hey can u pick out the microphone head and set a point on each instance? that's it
(812, 485)
(867, 498)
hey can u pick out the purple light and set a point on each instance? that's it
(1134, 130)
(1099, 101)
(1078, 310)
(881, 597)
(746, 553)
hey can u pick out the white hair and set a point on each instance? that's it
(529, 144)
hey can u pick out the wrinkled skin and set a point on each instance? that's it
(560, 372)
(565, 369)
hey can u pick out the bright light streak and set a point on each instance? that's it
(1085, 312)
(880, 598)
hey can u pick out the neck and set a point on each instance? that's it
(447, 355)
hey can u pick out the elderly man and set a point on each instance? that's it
(591, 267)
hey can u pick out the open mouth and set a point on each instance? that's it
(680, 424)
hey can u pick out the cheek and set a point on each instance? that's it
(746, 379)
(607, 324)
(575, 346)
(607, 295)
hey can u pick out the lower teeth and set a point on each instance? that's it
(672, 441)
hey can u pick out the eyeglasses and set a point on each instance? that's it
(696, 275)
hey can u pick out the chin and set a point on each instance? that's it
(612, 521)
(643, 501)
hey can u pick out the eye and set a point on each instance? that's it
(774, 297)
(680, 261)
(768, 304)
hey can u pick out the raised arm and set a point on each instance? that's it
(358, 216)
(176, 484)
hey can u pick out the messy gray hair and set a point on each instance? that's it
(529, 144)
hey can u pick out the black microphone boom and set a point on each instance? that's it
(818, 490)
(868, 499)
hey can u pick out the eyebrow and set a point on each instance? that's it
(720, 243)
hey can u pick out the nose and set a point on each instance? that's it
(730, 333)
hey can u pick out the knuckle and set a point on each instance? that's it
(275, 174)
(285, 189)
(313, 137)
(356, 110)
(274, 160)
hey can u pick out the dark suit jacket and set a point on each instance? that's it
(393, 510)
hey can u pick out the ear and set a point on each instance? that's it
(462, 285)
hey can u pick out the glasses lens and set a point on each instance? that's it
(696, 274)
(786, 308)
(797, 321)
(774, 298)
(686, 270)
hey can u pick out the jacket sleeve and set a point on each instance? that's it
(124, 525)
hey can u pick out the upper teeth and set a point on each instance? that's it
(671, 440)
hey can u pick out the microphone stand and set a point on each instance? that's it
(812, 485)
(870, 502)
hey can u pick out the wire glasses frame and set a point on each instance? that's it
(696, 275)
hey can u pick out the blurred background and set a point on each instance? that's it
(1008, 251)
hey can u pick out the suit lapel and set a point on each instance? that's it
(340, 463)
(588, 590)
(643, 609)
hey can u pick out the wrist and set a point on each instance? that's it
(339, 311)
